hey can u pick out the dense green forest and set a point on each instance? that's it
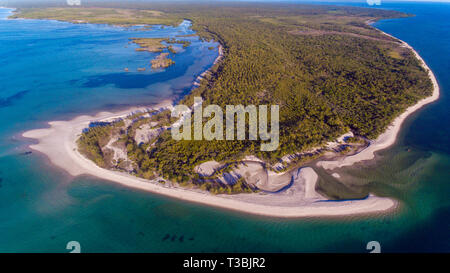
(328, 70)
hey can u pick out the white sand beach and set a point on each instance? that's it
(58, 143)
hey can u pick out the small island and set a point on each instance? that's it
(149, 44)
(161, 61)
(155, 45)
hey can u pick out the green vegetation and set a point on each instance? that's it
(89, 144)
(342, 78)
(94, 15)
(175, 41)
(328, 70)
(93, 144)
(155, 44)
(171, 49)
(161, 61)
(149, 44)
(93, 140)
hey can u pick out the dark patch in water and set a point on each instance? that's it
(337, 199)
(174, 237)
(9, 101)
(117, 105)
(129, 80)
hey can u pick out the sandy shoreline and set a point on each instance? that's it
(389, 137)
(58, 143)
(301, 200)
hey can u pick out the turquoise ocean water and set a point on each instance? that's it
(54, 70)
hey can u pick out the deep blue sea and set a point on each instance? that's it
(53, 70)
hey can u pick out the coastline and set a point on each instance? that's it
(59, 143)
(389, 136)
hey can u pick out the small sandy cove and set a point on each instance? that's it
(58, 143)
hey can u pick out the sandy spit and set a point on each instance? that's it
(58, 143)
